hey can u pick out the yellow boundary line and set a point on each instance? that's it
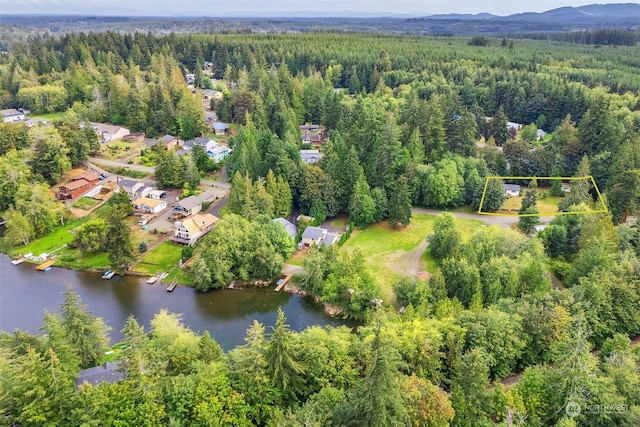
(556, 178)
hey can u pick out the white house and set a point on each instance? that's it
(313, 236)
(130, 187)
(157, 194)
(108, 132)
(512, 190)
(206, 143)
(188, 206)
(12, 115)
(146, 205)
(191, 229)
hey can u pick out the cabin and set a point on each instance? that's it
(147, 205)
(170, 142)
(191, 229)
(220, 128)
(566, 187)
(312, 134)
(12, 115)
(511, 190)
(135, 137)
(289, 227)
(78, 186)
(311, 157)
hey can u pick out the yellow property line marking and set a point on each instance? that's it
(573, 178)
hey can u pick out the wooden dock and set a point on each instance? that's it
(172, 286)
(18, 261)
(45, 265)
(282, 280)
(153, 279)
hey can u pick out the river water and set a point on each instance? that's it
(25, 294)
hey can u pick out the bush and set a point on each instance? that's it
(187, 252)
(143, 247)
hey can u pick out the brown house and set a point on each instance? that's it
(134, 137)
(170, 142)
(78, 186)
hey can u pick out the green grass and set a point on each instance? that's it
(164, 258)
(125, 172)
(49, 116)
(297, 258)
(339, 222)
(85, 203)
(386, 250)
(547, 206)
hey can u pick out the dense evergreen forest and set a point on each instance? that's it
(412, 121)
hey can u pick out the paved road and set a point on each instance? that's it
(150, 170)
(504, 221)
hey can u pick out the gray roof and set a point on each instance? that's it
(311, 155)
(220, 125)
(11, 112)
(190, 202)
(197, 141)
(313, 233)
(127, 183)
(207, 195)
(168, 138)
(511, 187)
(289, 227)
(330, 239)
(99, 374)
(220, 149)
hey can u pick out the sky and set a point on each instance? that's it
(282, 7)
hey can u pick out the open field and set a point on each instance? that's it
(387, 251)
(85, 203)
(163, 257)
(547, 204)
(120, 150)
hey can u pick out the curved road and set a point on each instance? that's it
(147, 169)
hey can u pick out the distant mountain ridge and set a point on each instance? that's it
(592, 13)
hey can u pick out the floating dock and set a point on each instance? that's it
(282, 280)
(18, 261)
(45, 265)
(153, 279)
(172, 286)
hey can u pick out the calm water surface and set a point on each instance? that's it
(25, 294)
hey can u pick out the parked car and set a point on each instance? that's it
(102, 175)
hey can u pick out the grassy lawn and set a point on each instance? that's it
(164, 258)
(119, 150)
(85, 203)
(49, 116)
(297, 258)
(339, 222)
(547, 205)
(386, 250)
(125, 172)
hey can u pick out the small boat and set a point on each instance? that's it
(18, 261)
(163, 275)
(108, 274)
(45, 266)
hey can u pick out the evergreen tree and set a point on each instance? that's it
(49, 155)
(362, 208)
(580, 188)
(118, 242)
(400, 203)
(499, 130)
(529, 208)
(283, 368)
(446, 237)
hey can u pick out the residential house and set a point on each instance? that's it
(208, 195)
(313, 236)
(206, 143)
(188, 206)
(312, 134)
(209, 94)
(540, 134)
(512, 190)
(150, 143)
(170, 142)
(147, 205)
(135, 137)
(331, 239)
(220, 128)
(289, 227)
(107, 132)
(130, 186)
(109, 372)
(311, 156)
(12, 115)
(191, 229)
(219, 153)
(190, 77)
(566, 187)
(144, 191)
(78, 186)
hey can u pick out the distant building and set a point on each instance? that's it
(107, 132)
(78, 186)
(134, 137)
(130, 186)
(311, 156)
(289, 227)
(12, 115)
(312, 134)
(219, 153)
(512, 190)
(188, 206)
(220, 128)
(318, 236)
(206, 143)
(170, 142)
